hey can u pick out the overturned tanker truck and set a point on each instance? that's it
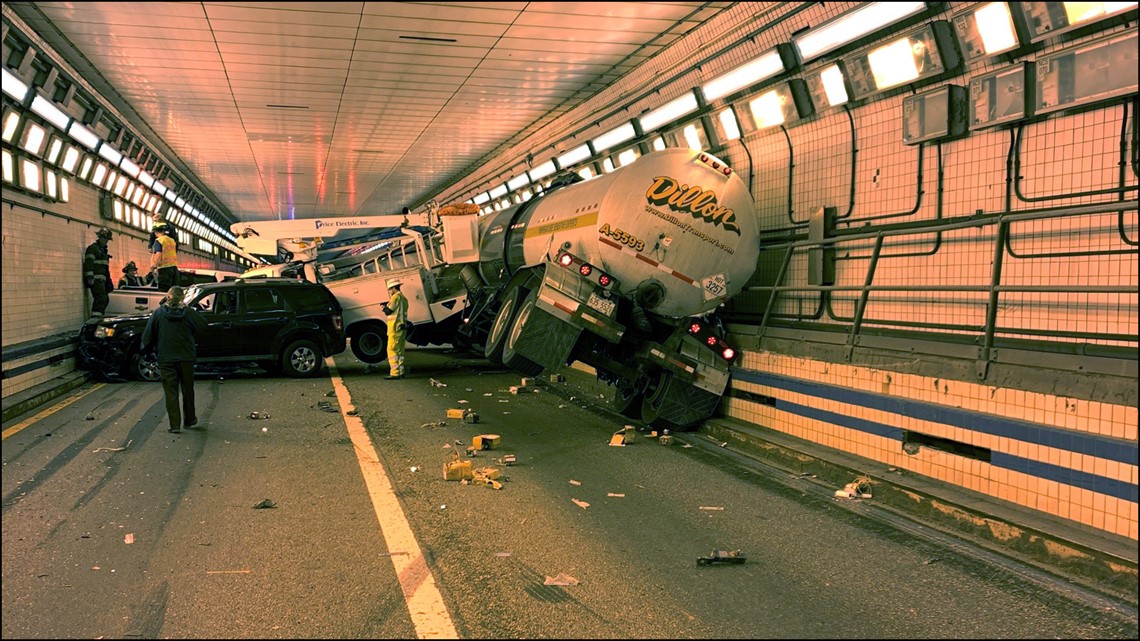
(623, 272)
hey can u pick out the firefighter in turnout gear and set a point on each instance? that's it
(97, 272)
(397, 311)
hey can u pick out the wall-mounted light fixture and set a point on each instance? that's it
(938, 114)
(84, 135)
(1001, 97)
(1094, 72)
(767, 65)
(727, 127)
(669, 112)
(518, 181)
(782, 104)
(852, 26)
(919, 55)
(1048, 19)
(989, 29)
(828, 87)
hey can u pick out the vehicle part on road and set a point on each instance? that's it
(265, 504)
(722, 556)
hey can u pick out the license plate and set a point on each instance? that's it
(603, 305)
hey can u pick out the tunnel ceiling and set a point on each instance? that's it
(350, 108)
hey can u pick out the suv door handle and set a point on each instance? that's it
(228, 325)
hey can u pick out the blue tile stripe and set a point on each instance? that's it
(1094, 445)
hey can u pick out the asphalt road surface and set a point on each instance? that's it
(114, 528)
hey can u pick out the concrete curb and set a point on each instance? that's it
(32, 398)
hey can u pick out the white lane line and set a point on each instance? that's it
(15, 429)
(425, 603)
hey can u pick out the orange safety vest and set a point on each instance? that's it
(169, 255)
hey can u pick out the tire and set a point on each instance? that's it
(626, 401)
(370, 343)
(301, 359)
(675, 405)
(504, 319)
(511, 359)
(144, 367)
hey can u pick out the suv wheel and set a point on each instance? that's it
(301, 359)
(144, 367)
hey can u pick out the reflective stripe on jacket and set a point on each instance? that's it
(168, 256)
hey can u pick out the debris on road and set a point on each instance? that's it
(860, 488)
(326, 406)
(455, 469)
(435, 383)
(617, 496)
(722, 556)
(258, 415)
(486, 441)
(113, 449)
(129, 538)
(434, 424)
(573, 482)
(581, 504)
(709, 507)
(507, 459)
(624, 436)
(265, 504)
(561, 579)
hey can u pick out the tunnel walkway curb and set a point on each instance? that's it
(46, 392)
(1093, 558)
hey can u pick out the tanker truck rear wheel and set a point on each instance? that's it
(504, 319)
(627, 401)
(511, 358)
(370, 343)
(676, 405)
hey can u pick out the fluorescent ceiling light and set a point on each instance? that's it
(852, 26)
(995, 26)
(766, 66)
(49, 111)
(110, 153)
(83, 135)
(146, 179)
(498, 192)
(29, 175)
(627, 156)
(9, 167)
(669, 112)
(614, 136)
(833, 85)
(14, 87)
(767, 110)
(33, 139)
(518, 181)
(131, 168)
(542, 171)
(658, 143)
(893, 64)
(574, 156)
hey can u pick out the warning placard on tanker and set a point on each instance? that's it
(714, 286)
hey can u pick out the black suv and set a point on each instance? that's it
(283, 325)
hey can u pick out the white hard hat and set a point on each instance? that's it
(393, 282)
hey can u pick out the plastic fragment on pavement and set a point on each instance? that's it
(561, 579)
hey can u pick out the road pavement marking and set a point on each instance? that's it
(425, 603)
(18, 427)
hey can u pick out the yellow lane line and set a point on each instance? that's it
(425, 603)
(18, 427)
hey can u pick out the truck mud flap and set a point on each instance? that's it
(544, 338)
(678, 404)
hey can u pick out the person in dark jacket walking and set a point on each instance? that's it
(172, 332)
(97, 272)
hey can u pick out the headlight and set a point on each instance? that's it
(103, 331)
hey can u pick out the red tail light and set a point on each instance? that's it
(585, 270)
(566, 260)
(604, 280)
(705, 334)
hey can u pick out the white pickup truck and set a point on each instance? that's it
(126, 301)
